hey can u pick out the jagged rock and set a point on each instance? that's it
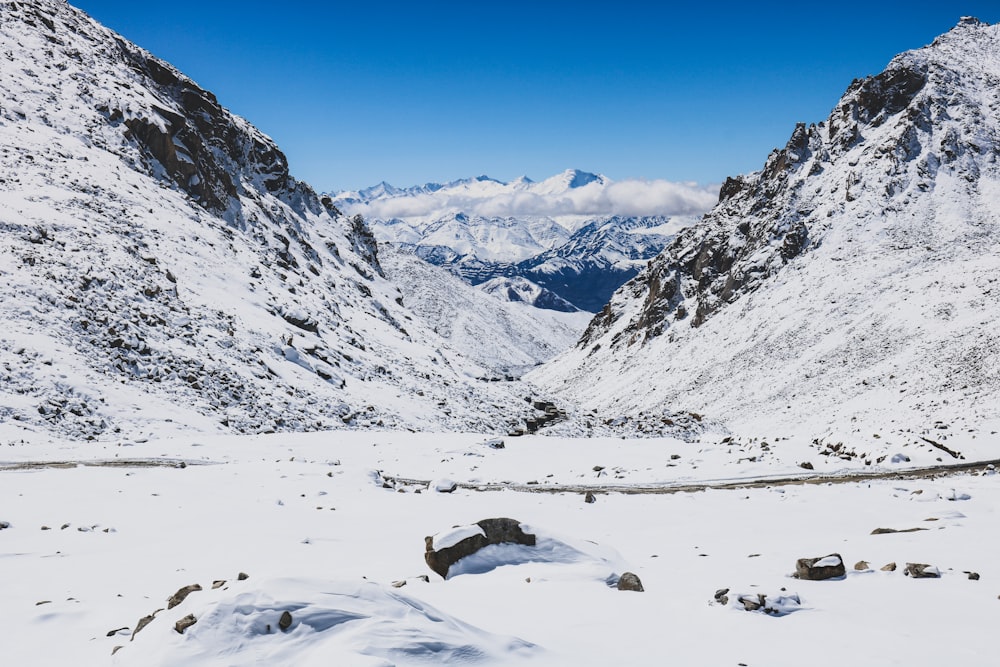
(888, 567)
(185, 623)
(721, 596)
(921, 571)
(862, 565)
(818, 569)
(218, 583)
(629, 581)
(889, 531)
(143, 622)
(493, 531)
(285, 621)
(973, 576)
(752, 602)
(181, 594)
(243, 576)
(590, 497)
(112, 633)
(806, 465)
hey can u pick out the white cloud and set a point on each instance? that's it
(628, 198)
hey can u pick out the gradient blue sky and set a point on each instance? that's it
(356, 93)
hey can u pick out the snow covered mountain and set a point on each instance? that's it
(504, 334)
(160, 269)
(850, 286)
(563, 233)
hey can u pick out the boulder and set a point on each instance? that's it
(862, 565)
(629, 581)
(590, 497)
(474, 538)
(922, 571)
(185, 623)
(818, 569)
(285, 621)
(889, 567)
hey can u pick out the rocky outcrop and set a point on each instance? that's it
(491, 531)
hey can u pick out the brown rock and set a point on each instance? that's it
(590, 497)
(179, 596)
(629, 581)
(143, 622)
(861, 566)
(285, 621)
(889, 531)
(185, 623)
(807, 568)
(889, 567)
(497, 531)
(218, 583)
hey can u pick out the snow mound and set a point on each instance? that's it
(553, 558)
(343, 622)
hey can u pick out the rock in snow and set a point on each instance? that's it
(818, 569)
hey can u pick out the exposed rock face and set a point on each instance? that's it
(494, 531)
(183, 624)
(839, 227)
(818, 569)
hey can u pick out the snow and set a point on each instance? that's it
(453, 536)
(331, 551)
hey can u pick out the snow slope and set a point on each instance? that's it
(847, 291)
(161, 270)
(503, 336)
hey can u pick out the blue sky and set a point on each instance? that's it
(355, 93)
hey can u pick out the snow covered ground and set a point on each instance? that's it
(317, 524)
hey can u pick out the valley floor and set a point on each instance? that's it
(102, 539)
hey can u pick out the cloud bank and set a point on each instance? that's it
(626, 198)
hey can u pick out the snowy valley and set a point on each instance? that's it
(244, 423)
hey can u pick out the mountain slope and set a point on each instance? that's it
(851, 285)
(161, 269)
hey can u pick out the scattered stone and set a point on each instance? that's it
(629, 581)
(721, 596)
(112, 633)
(921, 571)
(494, 531)
(889, 567)
(590, 497)
(41, 602)
(973, 576)
(751, 603)
(495, 443)
(818, 569)
(116, 649)
(889, 531)
(243, 576)
(806, 465)
(399, 584)
(424, 578)
(285, 621)
(598, 468)
(861, 566)
(444, 485)
(179, 596)
(64, 526)
(218, 583)
(185, 623)
(4, 525)
(46, 528)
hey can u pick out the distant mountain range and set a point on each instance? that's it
(550, 233)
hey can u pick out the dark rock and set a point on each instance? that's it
(973, 576)
(921, 571)
(4, 525)
(179, 596)
(629, 581)
(752, 602)
(590, 497)
(889, 531)
(243, 576)
(806, 465)
(832, 567)
(185, 623)
(720, 595)
(218, 583)
(112, 633)
(497, 531)
(285, 621)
